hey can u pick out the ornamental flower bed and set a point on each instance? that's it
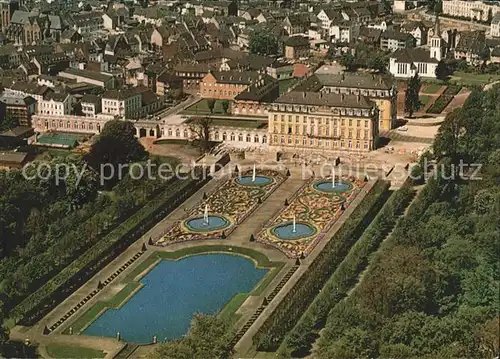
(313, 207)
(230, 200)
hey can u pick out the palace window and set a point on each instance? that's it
(350, 123)
(169, 131)
(289, 140)
(366, 145)
(282, 140)
(264, 139)
(249, 138)
(233, 137)
(216, 136)
(240, 137)
(304, 141)
(224, 136)
(256, 139)
(185, 133)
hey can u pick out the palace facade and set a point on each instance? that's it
(317, 121)
(379, 89)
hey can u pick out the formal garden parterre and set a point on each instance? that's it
(315, 207)
(228, 205)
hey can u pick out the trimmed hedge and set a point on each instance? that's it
(290, 309)
(303, 335)
(38, 304)
(442, 101)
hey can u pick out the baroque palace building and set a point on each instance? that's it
(378, 88)
(316, 121)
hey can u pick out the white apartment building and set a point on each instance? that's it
(495, 25)
(122, 103)
(55, 104)
(474, 10)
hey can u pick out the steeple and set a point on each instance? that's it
(437, 26)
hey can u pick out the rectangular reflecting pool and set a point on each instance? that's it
(173, 291)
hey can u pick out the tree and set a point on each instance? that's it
(447, 139)
(377, 62)
(7, 123)
(211, 105)
(442, 70)
(347, 60)
(209, 337)
(225, 106)
(4, 335)
(117, 144)
(263, 43)
(202, 128)
(412, 101)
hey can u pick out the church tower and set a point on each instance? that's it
(437, 43)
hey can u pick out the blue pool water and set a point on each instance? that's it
(285, 231)
(327, 186)
(214, 223)
(259, 180)
(173, 291)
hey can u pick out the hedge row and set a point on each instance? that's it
(442, 101)
(35, 306)
(293, 305)
(452, 90)
(303, 335)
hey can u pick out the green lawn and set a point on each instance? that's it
(474, 79)
(59, 351)
(424, 100)
(172, 141)
(201, 108)
(286, 84)
(431, 88)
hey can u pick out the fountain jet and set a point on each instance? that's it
(333, 178)
(294, 229)
(205, 215)
(253, 173)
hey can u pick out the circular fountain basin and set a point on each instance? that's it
(215, 223)
(259, 180)
(340, 186)
(286, 232)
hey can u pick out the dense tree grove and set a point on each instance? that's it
(45, 226)
(46, 221)
(263, 43)
(208, 338)
(365, 56)
(432, 292)
(115, 145)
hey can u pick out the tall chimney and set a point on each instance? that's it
(304, 94)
